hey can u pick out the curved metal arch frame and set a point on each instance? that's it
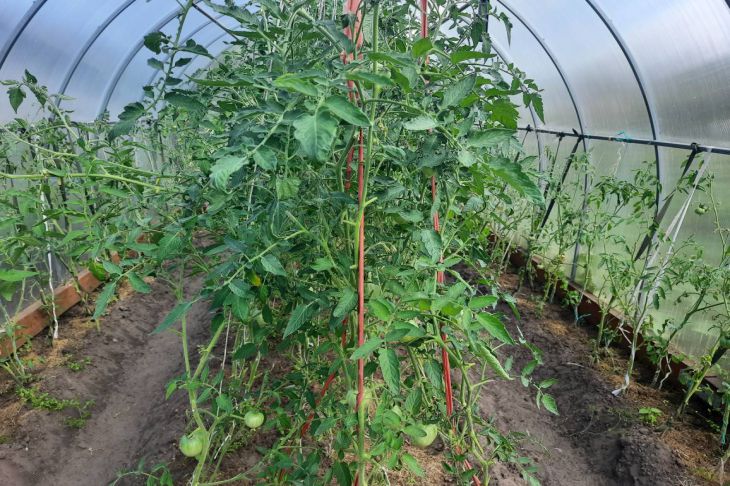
(128, 58)
(506, 58)
(556, 64)
(188, 37)
(650, 110)
(19, 29)
(90, 42)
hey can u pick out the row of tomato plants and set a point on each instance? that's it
(301, 180)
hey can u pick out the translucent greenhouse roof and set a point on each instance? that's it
(654, 69)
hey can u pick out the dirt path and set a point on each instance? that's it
(597, 440)
(130, 420)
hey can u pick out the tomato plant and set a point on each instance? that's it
(327, 180)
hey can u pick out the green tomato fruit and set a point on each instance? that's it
(253, 419)
(191, 445)
(425, 441)
(701, 209)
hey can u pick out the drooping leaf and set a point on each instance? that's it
(512, 173)
(390, 367)
(15, 275)
(432, 242)
(455, 93)
(347, 302)
(224, 168)
(412, 464)
(295, 82)
(421, 47)
(272, 265)
(16, 95)
(420, 123)
(265, 158)
(102, 302)
(138, 284)
(298, 317)
(185, 102)
(177, 313)
(316, 133)
(495, 327)
(345, 110)
(367, 348)
(487, 355)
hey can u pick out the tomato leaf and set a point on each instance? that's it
(481, 301)
(16, 95)
(102, 302)
(138, 284)
(15, 275)
(549, 403)
(298, 317)
(421, 47)
(175, 315)
(367, 348)
(265, 158)
(420, 123)
(494, 326)
(342, 108)
(185, 102)
(224, 168)
(456, 92)
(347, 302)
(390, 366)
(272, 265)
(512, 173)
(412, 464)
(316, 133)
(294, 82)
(491, 359)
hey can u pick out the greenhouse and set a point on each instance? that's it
(364, 242)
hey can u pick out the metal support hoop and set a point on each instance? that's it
(188, 37)
(19, 29)
(650, 111)
(555, 63)
(90, 42)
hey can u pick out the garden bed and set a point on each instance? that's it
(598, 439)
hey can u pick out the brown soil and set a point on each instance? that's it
(598, 439)
(126, 375)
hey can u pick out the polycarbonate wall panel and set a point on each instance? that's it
(13, 12)
(527, 54)
(109, 55)
(599, 75)
(698, 335)
(138, 73)
(47, 46)
(683, 50)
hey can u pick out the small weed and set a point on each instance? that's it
(44, 401)
(650, 415)
(77, 366)
(4, 439)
